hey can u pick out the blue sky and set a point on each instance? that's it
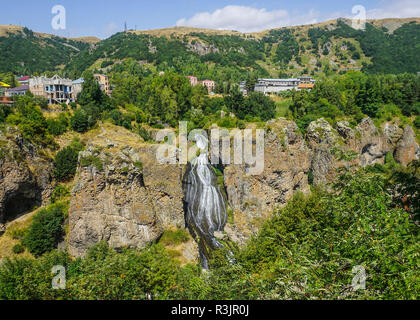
(103, 18)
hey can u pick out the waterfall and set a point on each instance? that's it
(205, 207)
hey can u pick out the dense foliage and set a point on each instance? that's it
(24, 52)
(230, 58)
(307, 250)
(395, 52)
(65, 162)
(46, 230)
(356, 95)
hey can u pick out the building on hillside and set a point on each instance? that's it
(3, 88)
(193, 80)
(209, 84)
(18, 91)
(6, 101)
(103, 82)
(56, 89)
(24, 80)
(307, 86)
(270, 86)
(77, 87)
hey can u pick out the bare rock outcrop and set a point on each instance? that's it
(356, 147)
(121, 195)
(322, 139)
(407, 148)
(25, 176)
(252, 198)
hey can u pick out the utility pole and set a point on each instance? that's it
(125, 26)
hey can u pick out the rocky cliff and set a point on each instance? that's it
(253, 197)
(123, 196)
(25, 176)
(343, 146)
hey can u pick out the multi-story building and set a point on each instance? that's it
(269, 86)
(56, 89)
(18, 91)
(209, 84)
(77, 87)
(103, 81)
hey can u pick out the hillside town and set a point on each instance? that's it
(59, 90)
(56, 90)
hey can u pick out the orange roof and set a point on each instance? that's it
(305, 85)
(4, 100)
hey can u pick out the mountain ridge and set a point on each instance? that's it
(386, 46)
(186, 29)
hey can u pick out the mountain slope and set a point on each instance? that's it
(23, 51)
(386, 46)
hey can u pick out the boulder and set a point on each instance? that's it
(407, 148)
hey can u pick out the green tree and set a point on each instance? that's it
(46, 230)
(65, 163)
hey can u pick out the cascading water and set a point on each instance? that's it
(205, 207)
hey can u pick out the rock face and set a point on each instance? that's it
(289, 158)
(25, 176)
(129, 201)
(407, 148)
(364, 145)
(202, 48)
(253, 197)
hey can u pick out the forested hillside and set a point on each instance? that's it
(327, 48)
(385, 46)
(26, 52)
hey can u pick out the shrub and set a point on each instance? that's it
(18, 249)
(5, 110)
(19, 234)
(80, 121)
(59, 126)
(59, 193)
(46, 230)
(417, 122)
(144, 134)
(92, 160)
(65, 163)
(138, 165)
(174, 237)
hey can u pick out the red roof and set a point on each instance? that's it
(25, 78)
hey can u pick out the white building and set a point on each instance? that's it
(269, 86)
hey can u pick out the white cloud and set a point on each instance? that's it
(249, 19)
(396, 9)
(246, 19)
(110, 29)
